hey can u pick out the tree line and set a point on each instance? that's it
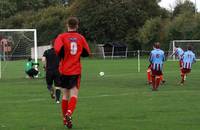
(138, 23)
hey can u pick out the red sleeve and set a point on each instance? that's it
(85, 46)
(58, 44)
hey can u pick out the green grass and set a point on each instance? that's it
(120, 100)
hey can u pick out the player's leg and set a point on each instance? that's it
(73, 100)
(64, 104)
(157, 81)
(74, 89)
(65, 98)
(30, 73)
(162, 79)
(49, 82)
(57, 84)
(73, 92)
(180, 65)
(153, 78)
(149, 76)
(27, 73)
(153, 82)
(35, 72)
(182, 79)
(57, 94)
(183, 74)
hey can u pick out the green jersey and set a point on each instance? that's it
(29, 65)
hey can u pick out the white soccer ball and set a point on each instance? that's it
(101, 73)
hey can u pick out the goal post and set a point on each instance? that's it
(183, 44)
(16, 44)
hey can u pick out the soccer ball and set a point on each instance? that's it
(101, 73)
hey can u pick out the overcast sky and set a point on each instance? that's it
(171, 3)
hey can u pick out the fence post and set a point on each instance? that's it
(138, 60)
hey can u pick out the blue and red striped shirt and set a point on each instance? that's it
(188, 59)
(156, 59)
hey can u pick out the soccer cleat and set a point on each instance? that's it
(181, 83)
(163, 81)
(52, 94)
(57, 102)
(68, 121)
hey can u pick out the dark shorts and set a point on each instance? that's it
(70, 81)
(32, 72)
(53, 77)
(185, 71)
(156, 73)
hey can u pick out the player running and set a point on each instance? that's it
(188, 59)
(156, 59)
(149, 79)
(179, 53)
(30, 69)
(70, 46)
(51, 64)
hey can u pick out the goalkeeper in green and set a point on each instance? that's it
(30, 70)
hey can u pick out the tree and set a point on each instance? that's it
(113, 20)
(7, 9)
(183, 27)
(183, 7)
(152, 31)
(49, 22)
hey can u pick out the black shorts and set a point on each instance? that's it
(70, 81)
(53, 77)
(32, 72)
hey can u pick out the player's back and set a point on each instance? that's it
(188, 59)
(157, 58)
(51, 59)
(72, 44)
(28, 66)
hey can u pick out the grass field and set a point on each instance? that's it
(120, 100)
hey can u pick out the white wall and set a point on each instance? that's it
(40, 50)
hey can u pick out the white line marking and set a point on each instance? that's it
(103, 95)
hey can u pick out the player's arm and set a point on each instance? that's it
(150, 58)
(58, 47)
(164, 59)
(44, 62)
(86, 50)
(174, 53)
(194, 59)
